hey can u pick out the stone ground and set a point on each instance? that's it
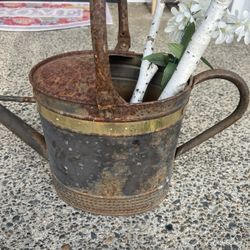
(207, 206)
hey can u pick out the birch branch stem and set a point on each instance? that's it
(195, 49)
(148, 69)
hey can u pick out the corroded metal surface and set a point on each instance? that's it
(67, 77)
(106, 97)
(232, 118)
(17, 99)
(67, 82)
(111, 166)
(23, 131)
(119, 205)
(127, 170)
(124, 42)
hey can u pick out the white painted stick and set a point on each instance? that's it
(148, 70)
(195, 49)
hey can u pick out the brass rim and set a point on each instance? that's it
(109, 128)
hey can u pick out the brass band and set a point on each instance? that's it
(109, 128)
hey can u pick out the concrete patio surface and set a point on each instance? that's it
(207, 206)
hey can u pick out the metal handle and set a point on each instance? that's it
(106, 96)
(236, 115)
(124, 41)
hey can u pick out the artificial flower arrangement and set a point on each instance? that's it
(192, 26)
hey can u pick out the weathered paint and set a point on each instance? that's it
(111, 166)
(103, 167)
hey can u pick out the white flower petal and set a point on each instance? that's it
(239, 38)
(215, 34)
(187, 14)
(192, 20)
(183, 7)
(236, 13)
(222, 24)
(221, 38)
(245, 14)
(174, 11)
(182, 26)
(230, 18)
(247, 38)
(204, 4)
(186, 2)
(240, 31)
(169, 29)
(195, 7)
(178, 36)
(179, 17)
(230, 38)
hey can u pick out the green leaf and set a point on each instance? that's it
(188, 33)
(168, 72)
(176, 49)
(160, 59)
(207, 63)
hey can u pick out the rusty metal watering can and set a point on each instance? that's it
(108, 156)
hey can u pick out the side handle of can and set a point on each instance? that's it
(228, 121)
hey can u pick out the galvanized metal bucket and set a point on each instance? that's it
(108, 156)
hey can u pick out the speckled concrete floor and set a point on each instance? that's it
(207, 206)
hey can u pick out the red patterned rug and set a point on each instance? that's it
(38, 16)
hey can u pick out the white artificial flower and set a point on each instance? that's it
(225, 29)
(179, 21)
(224, 33)
(189, 11)
(193, 11)
(243, 27)
(174, 28)
(187, 3)
(196, 5)
(201, 5)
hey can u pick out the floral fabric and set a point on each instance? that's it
(37, 16)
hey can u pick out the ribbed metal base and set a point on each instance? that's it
(116, 205)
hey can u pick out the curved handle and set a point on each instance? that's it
(236, 115)
(106, 96)
(124, 41)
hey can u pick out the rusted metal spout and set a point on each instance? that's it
(29, 99)
(25, 132)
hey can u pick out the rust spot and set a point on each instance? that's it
(110, 184)
(156, 181)
(63, 83)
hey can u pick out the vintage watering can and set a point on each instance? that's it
(108, 156)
